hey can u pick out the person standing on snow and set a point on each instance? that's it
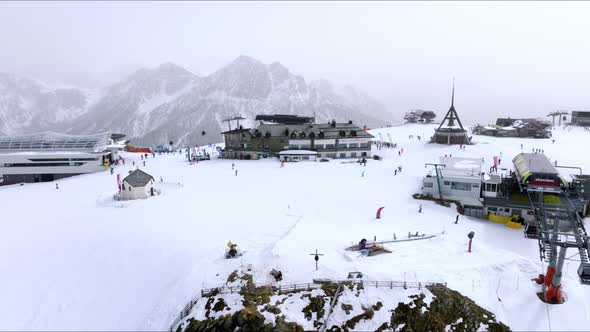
(420, 209)
(457, 219)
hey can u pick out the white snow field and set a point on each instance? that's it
(74, 259)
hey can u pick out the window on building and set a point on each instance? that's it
(329, 146)
(475, 185)
(353, 154)
(342, 145)
(293, 146)
(305, 146)
(447, 183)
(460, 186)
(428, 184)
(492, 208)
(364, 145)
(363, 154)
(305, 157)
(319, 146)
(342, 155)
(353, 145)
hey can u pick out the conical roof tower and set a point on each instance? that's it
(451, 129)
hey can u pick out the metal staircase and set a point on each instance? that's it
(559, 225)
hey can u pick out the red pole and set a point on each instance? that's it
(469, 248)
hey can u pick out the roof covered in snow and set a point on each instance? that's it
(465, 167)
(138, 178)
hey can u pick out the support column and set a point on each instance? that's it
(553, 258)
(553, 294)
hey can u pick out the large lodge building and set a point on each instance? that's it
(278, 133)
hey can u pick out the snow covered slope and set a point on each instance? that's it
(74, 259)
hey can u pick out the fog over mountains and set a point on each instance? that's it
(169, 103)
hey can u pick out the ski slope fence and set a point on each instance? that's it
(281, 289)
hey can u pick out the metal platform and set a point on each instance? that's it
(560, 225)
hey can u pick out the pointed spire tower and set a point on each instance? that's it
(451, 129)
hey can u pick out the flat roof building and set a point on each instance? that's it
(460, 180)
(49, 156)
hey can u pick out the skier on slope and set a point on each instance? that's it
(363, 244)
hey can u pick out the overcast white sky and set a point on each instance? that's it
(508, 58)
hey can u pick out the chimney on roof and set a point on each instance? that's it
(349, 121)
(333, 124)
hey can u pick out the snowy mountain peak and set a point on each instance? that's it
(169, 103)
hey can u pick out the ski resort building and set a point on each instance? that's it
(451, 130)
(137, 185)
(49, 156)
(507, 127)
(329, 140)
(580, 118)
(457, 179)
(535, 179)
(419, 116)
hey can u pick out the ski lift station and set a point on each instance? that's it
(458, 179)
(49, 156)
(534, 195)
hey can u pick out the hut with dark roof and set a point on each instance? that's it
(137, 185)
